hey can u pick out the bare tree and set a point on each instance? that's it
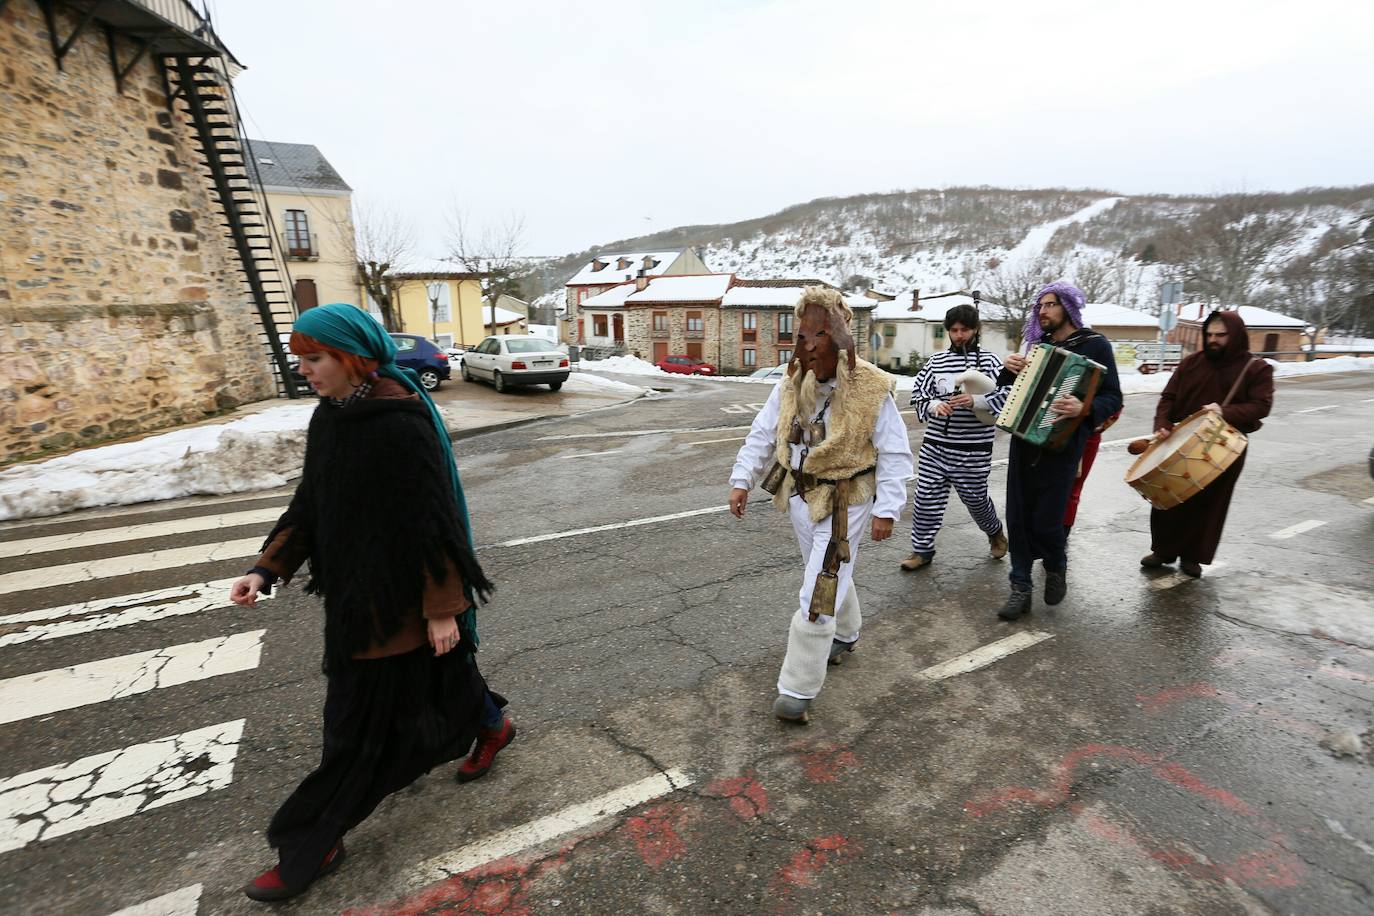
(385, 243)
(1097, 275)
(1223, 251)
(494, 252)
(1011, 291)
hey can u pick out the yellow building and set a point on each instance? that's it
(311, 208)
(445, 307)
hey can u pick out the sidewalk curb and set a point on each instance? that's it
(456, 435)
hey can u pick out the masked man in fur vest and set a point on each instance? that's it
(832, 448)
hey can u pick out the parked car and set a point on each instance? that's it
(685, 365)
(428, 361)
(772, 374)
(516, 359)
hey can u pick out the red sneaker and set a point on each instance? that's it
(268, 887)
(489, 742)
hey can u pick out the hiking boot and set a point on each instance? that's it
(1018, 603)
(1154, 561)
(791, 709)
(997, 544)
(489, 743)
(838, 650)
(1189, 568)
(268, 887)
(916, 561)
(1056, 585)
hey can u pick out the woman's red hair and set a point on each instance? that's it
(355, 365)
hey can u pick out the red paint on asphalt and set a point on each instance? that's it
(1161, 700)
(748, 799)
(655, 833)
(501, 886)
(806, 864)
(826, 762)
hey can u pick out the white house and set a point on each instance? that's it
(901, 331)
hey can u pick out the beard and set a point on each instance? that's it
(1214, 352)
(804, 386)
(1050, 325)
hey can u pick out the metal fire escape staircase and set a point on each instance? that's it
(201, 94)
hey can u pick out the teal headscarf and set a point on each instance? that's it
(349, 328)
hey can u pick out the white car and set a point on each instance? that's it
(516, 359)
(771, 375)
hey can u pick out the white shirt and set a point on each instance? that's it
(890, 438)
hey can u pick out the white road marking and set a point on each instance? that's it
(632, 523)
(184, 902)
(1293, 530)
(984, 655)
(574, 817)
(1370, 501)
(614, 451)
(709, 441)
(639, 432)
(108, 679)
(1178, 577)
(79, 539)
(67, 797)
(1339, 830)
(120, 611)
(67, 573)
(1315, 409)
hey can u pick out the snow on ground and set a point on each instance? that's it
(256, 452)
(1318, 366)
(1033, 245)
(622, 365)
(595, 384)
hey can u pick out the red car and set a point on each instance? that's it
(685, 365)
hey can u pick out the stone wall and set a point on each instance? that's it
(121, 308)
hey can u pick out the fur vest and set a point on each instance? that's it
(848, 446)
(375, 512)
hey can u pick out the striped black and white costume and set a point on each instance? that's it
(956, 449)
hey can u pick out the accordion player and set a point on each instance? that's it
(1051, 372)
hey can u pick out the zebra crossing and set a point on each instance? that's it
(98, 555)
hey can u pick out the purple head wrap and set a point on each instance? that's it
(1070, 296)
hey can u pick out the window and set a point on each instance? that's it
(599, 326)
(581, 294)
(751, 358)
(785, 328)
(298, 234)
(749, 325)
(443, 341)
(439, 299)
(404, 344)
(939, 331)
(784, 357)
(889, 330)
(660, 321)
(695, 322)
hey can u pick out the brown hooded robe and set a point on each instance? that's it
(1193, 530)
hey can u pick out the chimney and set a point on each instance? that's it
(915, 300)
(641, 282)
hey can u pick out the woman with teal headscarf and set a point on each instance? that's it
(380, 514)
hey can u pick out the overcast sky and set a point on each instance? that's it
(602, 120)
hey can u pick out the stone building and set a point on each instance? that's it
(123, 305)
(1270, 332)
(736, 325)
(606, 271)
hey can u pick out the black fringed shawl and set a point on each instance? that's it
(376, 511)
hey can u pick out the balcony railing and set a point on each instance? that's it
(300, 249)
(659, 333)
(694, 335)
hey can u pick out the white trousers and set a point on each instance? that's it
(808, 644)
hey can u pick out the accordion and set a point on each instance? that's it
(1052, 372)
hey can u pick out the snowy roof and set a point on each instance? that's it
(1110, 315)
(932, 309)
(1253, 316)
(503, 316)
(691, 288)
(764, 297)
(619, 267)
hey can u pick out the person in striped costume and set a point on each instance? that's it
(957, 446)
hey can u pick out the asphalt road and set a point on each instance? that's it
(1152, 745)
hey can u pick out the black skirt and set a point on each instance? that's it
(387, 722)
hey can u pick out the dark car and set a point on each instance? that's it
(685, 365)
(430, 362)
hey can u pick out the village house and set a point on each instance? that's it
(135, 283)
(443, 305)
(311, 209)
(1270, 332)
(735, 324)
(609, 270)
(909, 324)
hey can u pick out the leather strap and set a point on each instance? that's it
(1235, 386)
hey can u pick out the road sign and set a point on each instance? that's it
(1168, 319)
(1171, 292)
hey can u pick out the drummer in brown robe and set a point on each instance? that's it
(1190, 532)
